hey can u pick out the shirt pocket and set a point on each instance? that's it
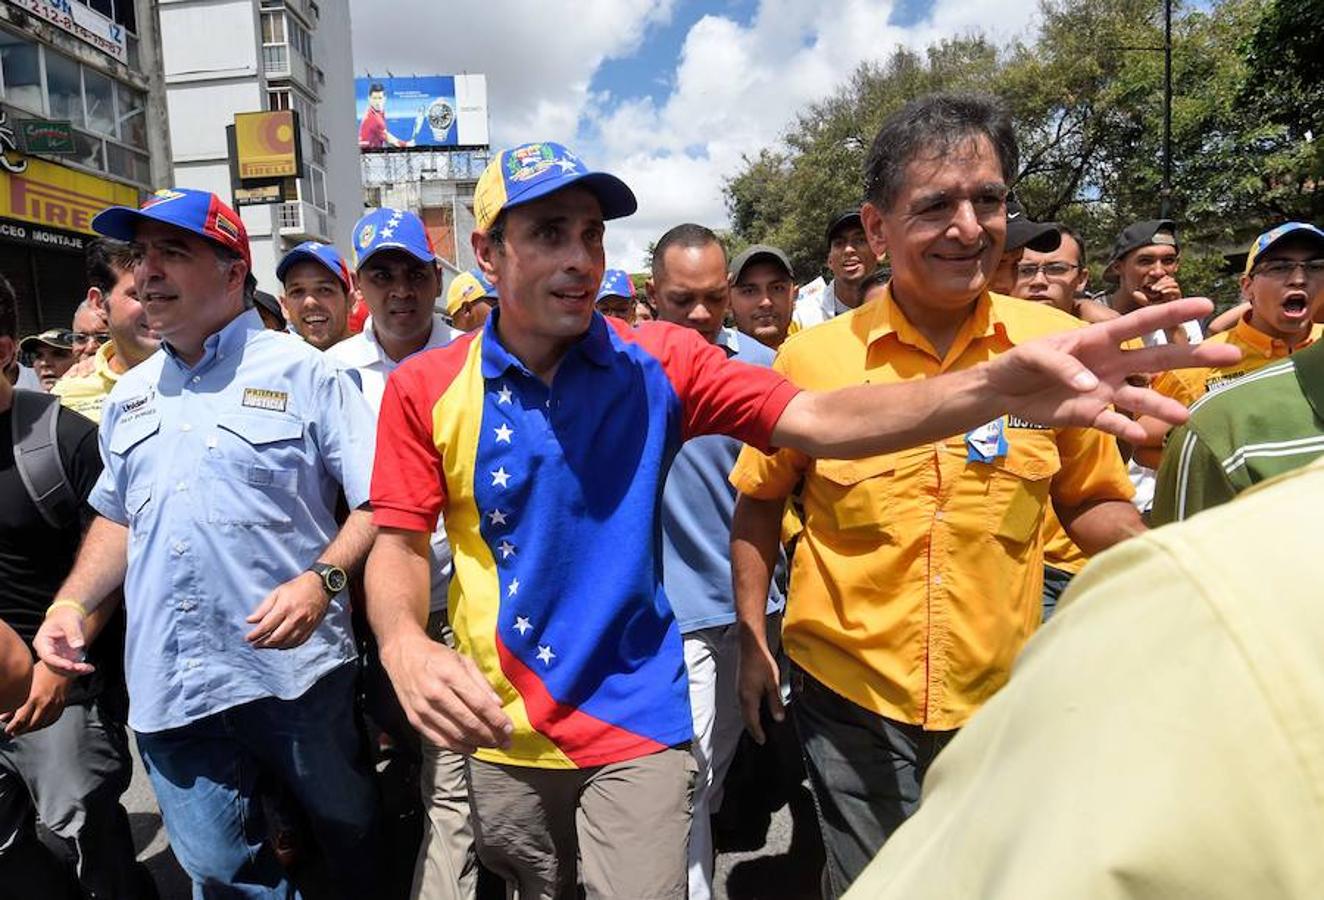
(137, 506)
(853, 496)
(1018, 491)
(253, 474)
(130, 434)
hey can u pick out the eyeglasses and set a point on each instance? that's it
(1283, 269)
(1026, 271)
(83, 338)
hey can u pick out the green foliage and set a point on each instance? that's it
(1087, 96)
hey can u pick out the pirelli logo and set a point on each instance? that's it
(57, 197)
(272, 401)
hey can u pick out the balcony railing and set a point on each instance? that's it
(301, 220)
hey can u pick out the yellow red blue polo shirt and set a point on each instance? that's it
(919, 574)
(551, 501)
(1257, 350)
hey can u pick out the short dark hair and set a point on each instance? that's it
(1068, 231)
(8, 310)
(930, 126)
(686, 235)
(376, 88)
(496, 232)
(106, 261)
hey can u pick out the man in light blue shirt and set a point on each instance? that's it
(689, 286)
(226, 454)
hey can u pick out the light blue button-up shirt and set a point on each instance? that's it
(227, 474)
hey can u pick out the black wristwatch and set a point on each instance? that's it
(333, 578)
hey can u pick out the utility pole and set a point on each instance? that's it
(1165, 192)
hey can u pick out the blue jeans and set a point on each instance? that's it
(204, 776)
(865, 772)
(1055, 583)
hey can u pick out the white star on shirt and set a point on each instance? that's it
(504, 433)
(500, 477)
(522, 624)
(513, 588)
(497, 517)
(503, 395)
(507, 549)
(546, 655)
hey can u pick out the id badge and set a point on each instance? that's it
(987, 442)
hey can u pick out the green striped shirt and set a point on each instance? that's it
(1264, 424)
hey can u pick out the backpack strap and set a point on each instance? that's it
(37, 457)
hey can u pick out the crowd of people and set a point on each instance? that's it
(394, 589)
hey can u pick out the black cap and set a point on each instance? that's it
(1042, 237)
(1143, 234)
(756, 253)
(842, 219)
(269, 303)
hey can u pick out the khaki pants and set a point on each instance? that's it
(628, 823)
(447, 867)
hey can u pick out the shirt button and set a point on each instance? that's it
(197, 378)
(180, 547)
(186, 427)
(182, 486)
(937, 579)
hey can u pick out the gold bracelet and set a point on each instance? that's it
(67, 604)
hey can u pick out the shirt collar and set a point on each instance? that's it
(884, 317)
(729, 340)
(102, 362)
(230, 339)
(369, 351)
(1252, 339)
(594, 345)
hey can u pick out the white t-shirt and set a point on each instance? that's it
(1142, 477)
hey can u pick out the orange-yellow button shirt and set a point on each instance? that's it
(919, 574)
(1257, 350)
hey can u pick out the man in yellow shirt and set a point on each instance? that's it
(110, 271)
(918, 577)
(1161, 740)
(1284, 284)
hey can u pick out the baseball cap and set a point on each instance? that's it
(1042, 237)
(466, 288)
(60, 338)
(758, 253)
(391, 229)
(316, 251)
(269, 303)
(844, 218)
(200, 212)
(1143, 234)
(616, 283)
(1261, 244)
(529, 171)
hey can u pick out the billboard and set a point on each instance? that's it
(42, 193)
(267, 145)
(421, 111)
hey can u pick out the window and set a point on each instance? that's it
(99, 92)
(300, 38)
(89, 151)
(132, 115)
(128, 163)
(277, 100)
(64, 88)
(313, 187)
(273, 28)
(20, 67)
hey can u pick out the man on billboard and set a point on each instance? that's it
(373, 134)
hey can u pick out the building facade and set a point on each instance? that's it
(82, 126)
(222, 57)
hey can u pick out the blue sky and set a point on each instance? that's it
(671, 95)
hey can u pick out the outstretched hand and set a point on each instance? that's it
(1078, 377)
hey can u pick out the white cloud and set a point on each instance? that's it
(736, 87)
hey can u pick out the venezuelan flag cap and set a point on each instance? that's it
(530, 171)
(392, 229)
(200, 212)
(316, 251)
(466, 288)
(616, 283)
(1274, 235)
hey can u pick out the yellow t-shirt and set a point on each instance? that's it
(1257, 350)
(86, 394)
(1162, 737)
(918, 577)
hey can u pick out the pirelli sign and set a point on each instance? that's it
(48, 195)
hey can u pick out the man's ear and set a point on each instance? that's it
(485, 252)
(96, 299)
(871, 217)
(8, 351)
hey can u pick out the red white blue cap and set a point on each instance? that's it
(1274, 235)
(391, 229)
(316, 251)
(200, 212)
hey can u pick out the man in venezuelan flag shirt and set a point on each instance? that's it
(545, 437)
